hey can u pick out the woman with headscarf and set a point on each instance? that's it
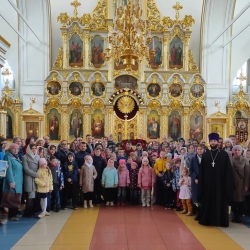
(241, 173)
(13, 182)
(30, 167)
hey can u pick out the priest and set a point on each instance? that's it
(215, 185)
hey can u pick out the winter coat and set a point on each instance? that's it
(57, 175)
(188, 159)
(62, 156)
(241, 176)
(88, 149)
(109, 177)
(30, 167)
(79, 158)
(100, 165)
(14, 174)
(44, 179)
(194, 174)
(185, 188)
(146, 177)
(87, 178)
(176, 178)
(133, 177)
(123, 177)
(160, 166)
(70, 171)
(167, 177)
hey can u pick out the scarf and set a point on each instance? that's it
(14, 155)
(30, 153)
(88, 165)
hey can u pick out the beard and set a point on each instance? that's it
(214, 146)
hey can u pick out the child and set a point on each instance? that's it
(109, 182)
(123, 182)
(88, 175)
(167, 183)
(133, 177)
(228, 146)
(153, 159)
(58, 183)
(70, 171)
(139, 151)
(175, 182)
(121, 155)
(190, 155)
(40, 152)
(185, 193)
(169, 156)
(44, 185)
(113, 157)
(146, 180)
(128, 164)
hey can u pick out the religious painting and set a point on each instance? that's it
(176, 54)
(98, 89)
(119, 137)
(76, 124)
(217, 128)
(75, 88)
(97, 49)
(174, 125)
(120, 66)
(153, 125)
(53, 88)
(153, 90)
(238, 114)
(32, 130)
(126, 81)
(131, 136)
(75, 51)
(155, 53)
(197, 90)
(9, 124)
(196, 126)
(97, 124)
(175, 90)
(54, 122)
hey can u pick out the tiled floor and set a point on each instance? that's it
(121, 228)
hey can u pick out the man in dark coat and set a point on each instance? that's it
(79, 157)
(215, 186)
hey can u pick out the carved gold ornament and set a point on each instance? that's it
(191, 62)
(241, 105)
(196, 105)
(126, 104)
(241, 95)
(53, 102)
(154, 104)
(175, 104)
(97, 104)
(75, 102)
(58, 64)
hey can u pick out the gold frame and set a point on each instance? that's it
(137, 87)
(162, 55)
(91, 92)
(201, 111)
(190, 93)
(90, 48)
(76, 79)
(39, 127)
(70, 112)
(169, 93)
(75, 30)
(60, 91)
(160, 93)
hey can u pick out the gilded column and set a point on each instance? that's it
(3, 114)
(110, 124)
(164, 122)
(65, 123)
(141, 123)
(65, 47)
(86, 47)
(165, 51)
(187, 39)
(110, 6)
(17, 124)
(86, 127)
(186, 125)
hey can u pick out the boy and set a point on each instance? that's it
(128, 164)
(70, 171)
(58, 183)
(175, 182)
(121, 155)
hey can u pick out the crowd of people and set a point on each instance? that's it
(196, 178)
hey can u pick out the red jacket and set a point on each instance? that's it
(146, 177)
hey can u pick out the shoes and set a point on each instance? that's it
(57, 210)
(189, 214)
(183, 212)
(47, 213)
(14, 219)
(64, 208)
(143, 205)
(75, 208)
(123, 204)
(197, 217)
(107, 203)
(85, 204)
(111, 203)
(118, 203)
(148, 205)
(90, 204)
(178, 209)
(41, 215)
(19, 216)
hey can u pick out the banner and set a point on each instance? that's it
(241, 129)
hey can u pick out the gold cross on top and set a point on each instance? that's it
(241, 78)
(75, 4)
(177, 7)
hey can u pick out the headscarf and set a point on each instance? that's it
(14, 146)
(30, 153)
(88, 164)
(228, 140)
(237, 147)
(39, 139)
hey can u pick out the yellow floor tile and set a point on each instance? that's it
(72, 247)
(76, 228)
(73, 238)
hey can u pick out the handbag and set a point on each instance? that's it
(11, 199)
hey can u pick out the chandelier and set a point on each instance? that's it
(129, 38)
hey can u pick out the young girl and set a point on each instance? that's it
(133, 176)
(190, 155)
(40, 151)
(109, 182)
(167, 178)
(123, 182)
(146, 180)
(185, 193)
(44, 185)
(175, 182)
(113, 157)
(228, 146)
(139, 151)
(88, 175)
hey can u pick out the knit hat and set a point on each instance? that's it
(122, 161)
(134, 163)
(228, 140)
(42, 161)
(169, 155)
(236, 147)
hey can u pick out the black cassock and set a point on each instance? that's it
(215, 188)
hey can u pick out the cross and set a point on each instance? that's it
(75, 4)
(177, 7)
(213, 163)
(241, 78)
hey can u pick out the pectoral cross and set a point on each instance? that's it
(213, 163)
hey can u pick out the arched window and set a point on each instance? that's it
(236, 82)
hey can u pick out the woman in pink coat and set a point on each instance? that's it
(146, 180)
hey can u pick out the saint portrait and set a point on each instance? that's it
(97, 49)
(196, 126)
(9, 124)
(217, 128)
(197, 90)
(131, 136)
(119, 135)
(75, 49)
(75, 88)
(126, 81)
(120, 66)
(153, 125)
(175, 90)
(32, 129)
(53, 88)
(155, 59)
(176, 54)
(174, 125)
(154, 90)
(54, 121)
(97, 124)
(97, 89)
(76, 124)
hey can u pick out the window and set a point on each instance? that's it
(236, 82)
